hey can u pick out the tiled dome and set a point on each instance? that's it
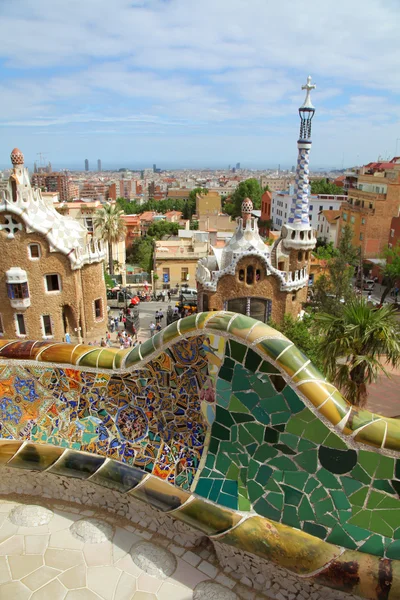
(247, 206)
(17, 158)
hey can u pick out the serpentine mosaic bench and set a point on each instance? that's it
(222, 422)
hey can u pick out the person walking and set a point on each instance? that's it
(67, 337)
(152, 328)
(163, 294)
(121, 314)
(103, 343)
(169, 296)
(108, 338)
(369, 297)
(157, 316)
(134, 332)
(160, 315)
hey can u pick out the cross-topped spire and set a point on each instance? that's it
(308, 86)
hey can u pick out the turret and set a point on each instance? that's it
(297, 234)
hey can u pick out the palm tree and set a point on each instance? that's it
(356, 345)
(111, 228)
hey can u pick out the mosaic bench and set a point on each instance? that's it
(222, 422)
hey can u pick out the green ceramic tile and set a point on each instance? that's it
(220, 432)
(289, 440)
(244, 503)
(222, 463)
(356, 533)
(311, 484)
(290, 517)
(334, 441)
(283, 463)
(337, 461)
(226, 374)
(255, 491)
(316, 432)
(295, 403)
(295, 426)
(264, 473)
(368, 461)
(383, 485)
(381, 526)
(252, 361)
(228, 501)
(329, 480)
(239, 381)
(271, 485)
(215, 489)
(306, 445)
(277, 500)
(316, 530)
(264, 453)
(271, 435)
(318, 494)
(374, 545)
(265, 509)
(323, 506)
(273, 347)
(385, 468)
(224, 417)
(255, 430)
(285, 449)
(267, 367)
(361, 518)
(275, 404)
(350, 485)
(305, 511)
(341, 538)
(249, 399)
(328, 520)
(292, 496)
(244, 436)
(261, 415)
(230, 487)
(237, 351)
(233, 472)
(358, 498)
(278, 382)
(203, 487)
(307, 460)
(340, 500)
(391, 517)
(281, 417)
(296, 479)
(393, 550)
(360, 475)
(236, 406)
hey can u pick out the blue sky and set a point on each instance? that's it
(198, 83)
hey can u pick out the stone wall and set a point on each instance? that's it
(78, 289)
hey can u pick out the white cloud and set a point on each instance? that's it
(200, 67)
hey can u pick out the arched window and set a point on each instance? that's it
(302, 235)
(241, 275)
(300, 256)
(258, 274)
(250, 275)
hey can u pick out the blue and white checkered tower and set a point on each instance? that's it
(297, 233)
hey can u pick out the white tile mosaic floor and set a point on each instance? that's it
(65, 553)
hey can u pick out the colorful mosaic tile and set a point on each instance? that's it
(225, 414)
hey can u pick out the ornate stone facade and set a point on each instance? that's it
(52, 273)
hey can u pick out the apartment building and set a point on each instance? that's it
(56, 182)
(266, 207)
(370, 208)
(276, 184)
(175, 259)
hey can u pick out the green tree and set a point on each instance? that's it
(194, 225)
(391, 270)
(111, 228)
(355, 346)
(326, 251)
(324, 186)
(250, 188)
(331, 291)
(141, 253)
(159, 229)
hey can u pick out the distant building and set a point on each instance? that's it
(327, 228)
(281, 204)
(154, 168)
(86, 164)
(276, 184)
(266, 207)
(237, 166)
(372, 202)
(56, 182)
(176, 259)
(99, 165)
(52, 270)
(132, 223)
(208, 204)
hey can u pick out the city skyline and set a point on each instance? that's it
(211, 85)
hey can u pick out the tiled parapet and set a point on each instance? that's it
(222, 422)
